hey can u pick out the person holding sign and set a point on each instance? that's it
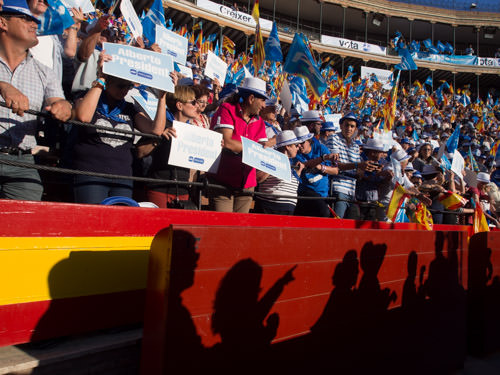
(238, 117)
(109, 152)
(182, 105)
(287, 143)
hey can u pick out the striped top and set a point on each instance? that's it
(274, 185)
(345, 181)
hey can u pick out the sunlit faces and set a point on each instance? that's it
(21, 28)
(38, 7)
(305, 147)
(348, 128)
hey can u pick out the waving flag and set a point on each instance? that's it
(273, 46)
(228, 44)
(407, 62)
(300, 61)
(55, 20)
(440, 46)
(154, 16)
(414, 46)
(452, 201)
(449, 48)
(423, 216)
(452, 143)
(428, 44)
(259, 54)
(398, 196)
(390, 106)
(472, 161)
(428, 81)
(479, 224)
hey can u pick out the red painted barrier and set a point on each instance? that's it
(220, 296)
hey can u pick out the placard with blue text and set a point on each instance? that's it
(172, 44)
(139, 65)
(215, 68)
(266, 160)
(195, 148)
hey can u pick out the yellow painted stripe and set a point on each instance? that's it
(42, 268)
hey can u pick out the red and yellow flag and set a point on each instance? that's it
(390, 106)
(398, 196)
(423, 216)
(259, 54)
(479, 224)
(452, 201)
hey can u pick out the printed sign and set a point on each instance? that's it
(133, 22)
(86, 5)
(184, 70)
(172, 44)
(384, 76)
(234, 14)
(266, 160)
(149, 105)
(139, 65)
(489, 62)
(195, 148)
(458, 163)
(353, 45)
(215, 68)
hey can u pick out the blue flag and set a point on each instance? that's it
(440, 46)
(428, 44)
(449, 48)
(428, 81)
(445, 162)
(452, 143)
(407, 62)
(414, 46)
(273, 46)
(154, 16)
(300, 61)
(55, 20)
(414, 135)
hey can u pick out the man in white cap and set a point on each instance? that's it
(313, 121)
(24, 84)
(235, 120)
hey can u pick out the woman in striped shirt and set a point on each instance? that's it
(287, 143)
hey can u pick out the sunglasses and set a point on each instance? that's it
(192, 102)
(24, 17)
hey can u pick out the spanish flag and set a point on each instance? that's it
(398, 196)
(423, 216)
(452, 201)
(480, 224)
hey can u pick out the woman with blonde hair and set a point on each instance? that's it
(182, 105)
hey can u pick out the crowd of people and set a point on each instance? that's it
(345, 170)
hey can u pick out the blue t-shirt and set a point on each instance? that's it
(313, 181)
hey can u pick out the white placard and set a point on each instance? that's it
(353, 45)
(150, 106)
(184, 70)
(458, 163)
(130, 16)
(195, 148)
(139, 65)
(172, 44)
(215, 68)
(86, 5)
(383, 75)
(227, 12)
(286, 96)
(267, 160)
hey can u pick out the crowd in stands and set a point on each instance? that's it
(347, 170)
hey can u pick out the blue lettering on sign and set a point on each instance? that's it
(133, 71)
(268, 166)
(172, 53)
(145, 75)
(192, 159)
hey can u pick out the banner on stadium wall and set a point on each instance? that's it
(266, 160)
(215, 68)
(383, 75)
(139, 65)
(235, 15)
(447, 59)
(353, 45)
(172, 44)
(489, 62)
(195, 148)
(130, 16)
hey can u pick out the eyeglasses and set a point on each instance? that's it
(201, 102)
